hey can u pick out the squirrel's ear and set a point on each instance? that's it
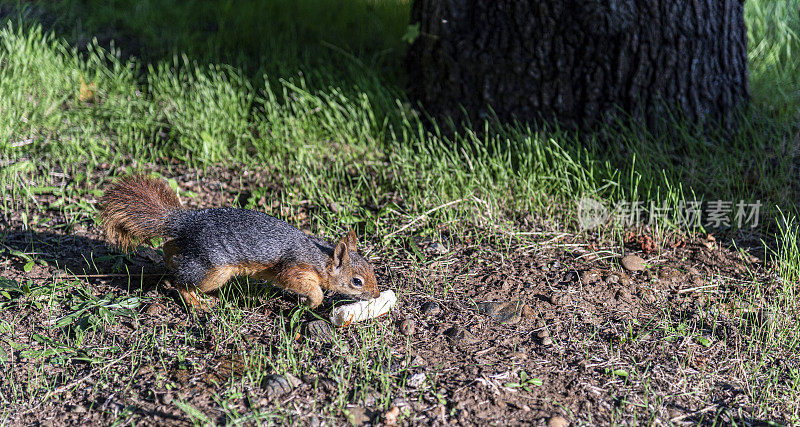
(341, 255)
(350, 239)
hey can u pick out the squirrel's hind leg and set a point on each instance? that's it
(194, 279)
(187, 272)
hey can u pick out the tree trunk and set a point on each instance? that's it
(583, 62)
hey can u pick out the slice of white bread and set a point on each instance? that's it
(344, 315)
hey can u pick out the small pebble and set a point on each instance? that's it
(557, 421)
(416, 380)
(527, 311)
(633, 263)
(668, 274)
(503, 312)
(407, 327)
(612, 279)
(390, 417)
(320, 330)
(457, 335)
(357, 415)
(277, 385)
(590, 276)
(547, 341)
(155, 309)
(437, 248)
(430, 308)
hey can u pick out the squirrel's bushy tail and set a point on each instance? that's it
(136, 208)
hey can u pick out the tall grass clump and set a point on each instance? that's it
(787, 266)
(56, 101)
(204, 110)
(773, 29)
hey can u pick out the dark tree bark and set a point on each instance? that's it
(583, 62)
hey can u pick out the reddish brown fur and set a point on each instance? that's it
(300, 278)
(216, 277)
(304, 280)
(348, 270)
(136, 208)
(191, 298)
(370, 282)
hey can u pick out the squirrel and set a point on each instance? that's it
(206, 247)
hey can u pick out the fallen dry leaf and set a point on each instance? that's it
(87, 91)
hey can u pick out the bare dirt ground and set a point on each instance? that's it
(518, 331)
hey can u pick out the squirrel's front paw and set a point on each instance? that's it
(314, 300)
(195, 300)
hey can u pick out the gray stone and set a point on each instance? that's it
(430, 308)
(459, 335)
(501, 311)
(320, 330)
(416, 380)
(437, 248)
(277, 385)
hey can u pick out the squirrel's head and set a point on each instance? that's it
(350, 273)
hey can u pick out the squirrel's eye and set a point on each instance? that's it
(357, 282)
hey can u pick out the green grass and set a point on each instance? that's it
(88, 335)
(179, 108)
(312, 91)
(773, 44)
